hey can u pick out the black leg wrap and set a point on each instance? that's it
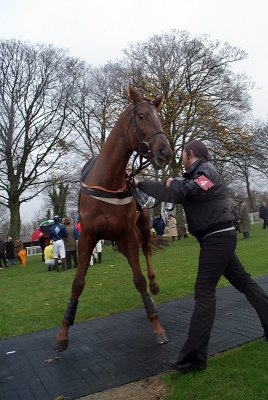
(70, 311)
(148, 304)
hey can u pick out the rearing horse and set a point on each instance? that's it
(138, 129)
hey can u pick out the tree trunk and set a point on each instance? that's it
(250, 200)
(180, 221)
(15, 222)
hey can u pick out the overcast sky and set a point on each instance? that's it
(97, 30)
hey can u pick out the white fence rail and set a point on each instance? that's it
(33, 250)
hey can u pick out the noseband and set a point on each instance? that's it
(142, 143)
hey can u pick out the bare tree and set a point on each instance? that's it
(36, 83)
(240, 156)
(95, 106)
(202, 94)
(4, 222)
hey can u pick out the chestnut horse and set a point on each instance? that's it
(108, 208)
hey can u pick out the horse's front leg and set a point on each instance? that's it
(130, 248)
(85, 248)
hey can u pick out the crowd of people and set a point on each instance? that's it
(12, 253)
(58, 247)
(61, 251)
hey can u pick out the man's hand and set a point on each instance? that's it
(168, 182)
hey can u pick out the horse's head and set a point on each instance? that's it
(148, 137)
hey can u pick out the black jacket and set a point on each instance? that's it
(159, 225)
(205, 207)
(263, 212)
(10, 250)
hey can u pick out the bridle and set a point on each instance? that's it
(139, 153)
(139, 132)
(144, 148)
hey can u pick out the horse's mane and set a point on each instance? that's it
(87, 167)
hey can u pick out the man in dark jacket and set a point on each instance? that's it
(263, 214)
(159, 225)
(2, 254)
(10, 251)
(202, 193)
(70, 243)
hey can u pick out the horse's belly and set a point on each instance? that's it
(107, 221)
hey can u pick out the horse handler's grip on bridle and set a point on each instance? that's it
(168, 182)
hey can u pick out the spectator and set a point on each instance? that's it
(243, 217)
(49, 256)
(172, 227)
(57, 232)
(18, 247)
(43, 242)
(78, 226)
(10, 251)
(99, 250)
(114, 246)
(2, 254)
(159, 225)
(263, 214)
(70, 244)
(23, 257)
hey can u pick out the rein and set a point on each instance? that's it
(130, 187)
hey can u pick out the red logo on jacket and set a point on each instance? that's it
(204, 182)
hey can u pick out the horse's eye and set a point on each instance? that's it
(141, 116)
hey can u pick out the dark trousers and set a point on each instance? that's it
(3, 258)
(265, 223)
(69, 256)
(217, 257)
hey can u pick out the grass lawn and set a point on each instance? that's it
(238, 374)
(33, 299)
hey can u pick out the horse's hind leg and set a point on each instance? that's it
(143, 223)
(130, 248)
(85, 249)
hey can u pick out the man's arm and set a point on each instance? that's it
(156, 189)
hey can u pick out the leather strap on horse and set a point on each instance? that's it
(139, 132)
(105, 193)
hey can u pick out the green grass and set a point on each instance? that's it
(238, 374)
(33, 299)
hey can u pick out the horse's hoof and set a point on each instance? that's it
(60, 345)
(154, 289)
(160, 338)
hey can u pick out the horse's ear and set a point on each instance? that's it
(158, 102)
(133, 94)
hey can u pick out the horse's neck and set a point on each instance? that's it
(110, 168)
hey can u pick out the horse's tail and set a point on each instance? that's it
(158, 242)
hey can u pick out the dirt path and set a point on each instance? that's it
(146, 389)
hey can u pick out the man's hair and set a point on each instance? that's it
(198, 148)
